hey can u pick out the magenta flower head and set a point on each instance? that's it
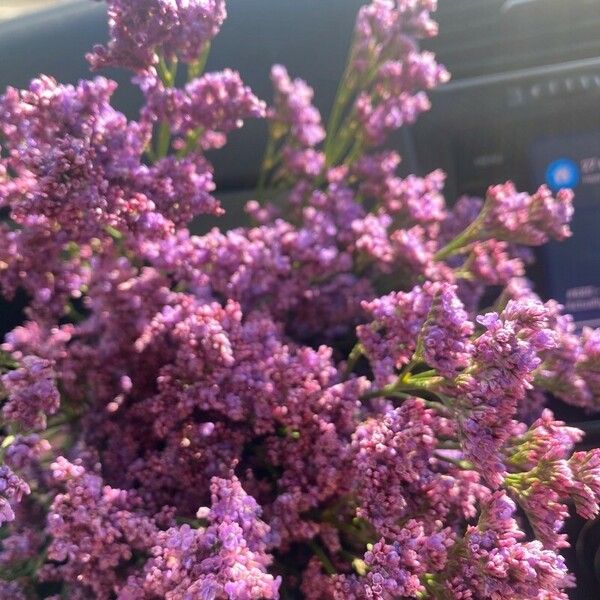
(32, 393)
(139, 29)
(12, 490)
(531, 220)
(293, 108)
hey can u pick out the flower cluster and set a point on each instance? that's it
(310, 406)
(139, 29)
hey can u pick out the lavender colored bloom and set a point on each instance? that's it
(504, 359)
(71, 153)
(586, 491)
(531, 220)
(378, 120)
(588, 365)
(420, 199)
(219, 102)
(394, 570)
(388, 69)
(293, 109)
(491, 263)
(549, 478)
(445, 335)
(429, 320)
(563, 369)
(307, 164)
(25, 451)
(20, 547)
(462, 214)
(12, 590)
(390, 340)
(492, 562)
(545, 436)
(384, 25)
(207, 107)
(398, 97)
(373, 239)
(397, 471)
(415, 251)
(199, 22)
(228, 559)
(50, 284)
(12, 490)
(95, 529)
(141, 28)
(181, 189)
(32, 393)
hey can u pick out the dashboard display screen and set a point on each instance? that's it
(572, 268)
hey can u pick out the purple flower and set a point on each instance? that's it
(181, 189)
(95, 529)
(32, 393)
(141, 28)
(491, 263)
(504, 360)
(397, 471)
(293, 109)
(12, 490)
(398, 97)
(25, 451)
(546, 436)
(563, 371)
(227, 559)
(72, 155)
(445, 335)
(219, 102)
(12, 590)
(531, 220)
(217, 430)
(20, 547)
(586, 490)
(588, 364)
(491, 561)
(390, 339)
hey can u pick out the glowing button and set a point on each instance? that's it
(562, 173)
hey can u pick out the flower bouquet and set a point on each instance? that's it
(344, 400)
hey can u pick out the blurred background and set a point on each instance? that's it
(10, 9)
(523, 104)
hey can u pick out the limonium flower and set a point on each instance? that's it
(343, 398)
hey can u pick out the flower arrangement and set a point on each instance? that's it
(317, 406)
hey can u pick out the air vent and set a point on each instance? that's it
(480, 37)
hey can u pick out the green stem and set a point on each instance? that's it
(168, 75)
(461, 464)
(469, 235)
(191, 141)
(62, 420)
(163, 141)
(166, 72)
(320, 554)
(196, 68)
(406, 384)
(356, 151)
(420, 376)
(388, 390)
(342, 97)
(342, 144)
(271, 158)
(353, 358)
